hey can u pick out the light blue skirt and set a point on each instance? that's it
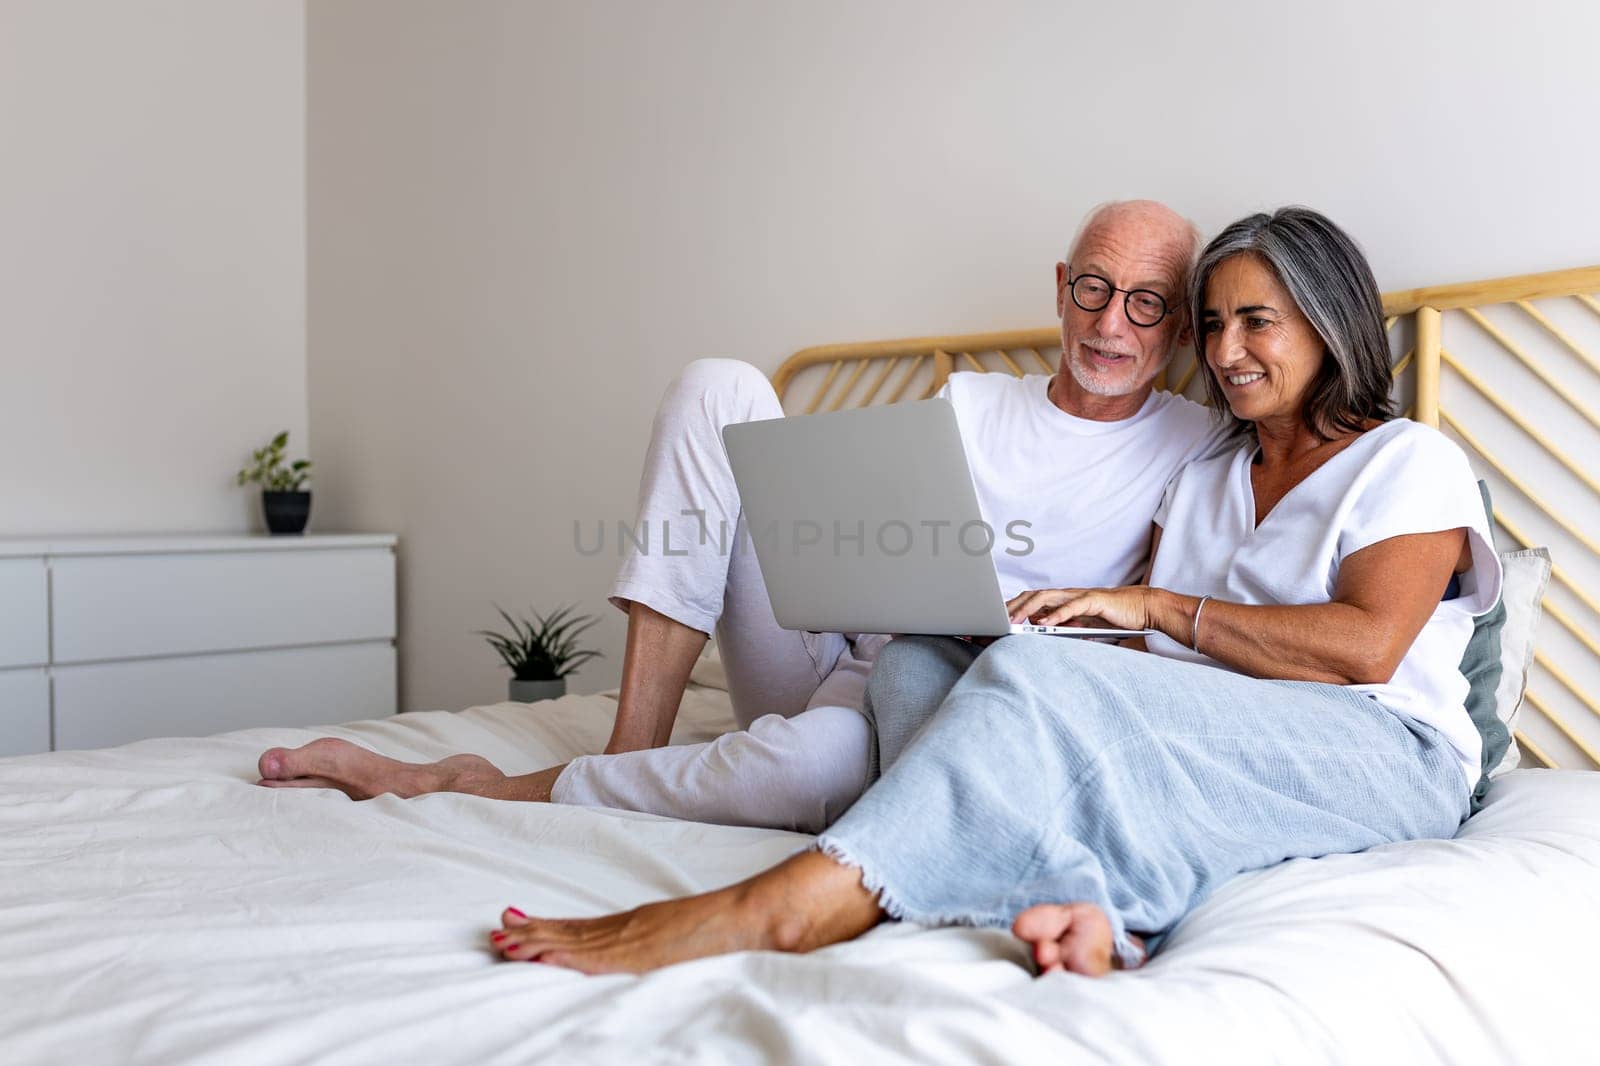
(1059, 770)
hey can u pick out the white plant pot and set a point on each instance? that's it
(531, 691)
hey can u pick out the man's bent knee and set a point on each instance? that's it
(733, 377)
(815, 767)
(909, 665)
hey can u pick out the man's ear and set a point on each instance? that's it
(1061, 290)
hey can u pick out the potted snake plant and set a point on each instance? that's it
(541, 653)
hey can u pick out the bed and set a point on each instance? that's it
(155, 907)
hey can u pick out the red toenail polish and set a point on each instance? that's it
(513, 910)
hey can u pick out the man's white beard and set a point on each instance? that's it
(1094, 381)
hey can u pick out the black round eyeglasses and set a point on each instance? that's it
(1093, 292)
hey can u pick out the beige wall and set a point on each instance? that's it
(524, 217)
(152, 258)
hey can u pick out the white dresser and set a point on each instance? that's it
(109, 640)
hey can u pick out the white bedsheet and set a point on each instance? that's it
(156, 907)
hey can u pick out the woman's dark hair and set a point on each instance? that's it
(1333, 287)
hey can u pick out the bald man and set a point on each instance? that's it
(1081, 456)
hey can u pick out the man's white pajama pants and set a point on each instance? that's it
(800, 759)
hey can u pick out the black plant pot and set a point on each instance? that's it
(286, 512)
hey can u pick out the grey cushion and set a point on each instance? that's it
(1526, 575)
(1497, 660)
(1497, 657)
(1482, 668)
(1481, 665)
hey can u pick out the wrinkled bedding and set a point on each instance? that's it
(155, 906)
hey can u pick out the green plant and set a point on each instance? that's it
(545, 649)
(271, 472)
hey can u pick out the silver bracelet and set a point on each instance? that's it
(1194, 629)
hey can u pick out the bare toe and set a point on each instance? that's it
(1068, 936)
(270, 765)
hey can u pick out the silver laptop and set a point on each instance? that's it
(867, 521)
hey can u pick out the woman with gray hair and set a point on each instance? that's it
(1310, 594)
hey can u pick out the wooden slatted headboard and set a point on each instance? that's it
(1523, 400)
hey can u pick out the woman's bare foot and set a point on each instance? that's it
(1069, 936)
(362, 774)
(804, 903)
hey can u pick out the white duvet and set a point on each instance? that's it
(157, 907)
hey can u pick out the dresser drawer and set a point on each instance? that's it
(128, 606)
(99, 705)
(24, 613)
(24, 712)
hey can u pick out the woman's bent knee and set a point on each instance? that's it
(1086, 697)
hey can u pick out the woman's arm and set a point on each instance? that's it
(1384, 596)
(1138, 643)
(1030, 605)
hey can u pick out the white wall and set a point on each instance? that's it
(152, 258)
(524, 217)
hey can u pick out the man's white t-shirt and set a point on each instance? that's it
(1086, 490)
(1397, 479)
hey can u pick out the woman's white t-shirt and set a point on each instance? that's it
(1397, 479)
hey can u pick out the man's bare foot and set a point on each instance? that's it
(1069, 936)
(807, 902)
(362, 774)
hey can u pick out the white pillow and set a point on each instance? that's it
(1526, 575)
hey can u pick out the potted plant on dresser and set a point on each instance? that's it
(284, 498)
(542, 653)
